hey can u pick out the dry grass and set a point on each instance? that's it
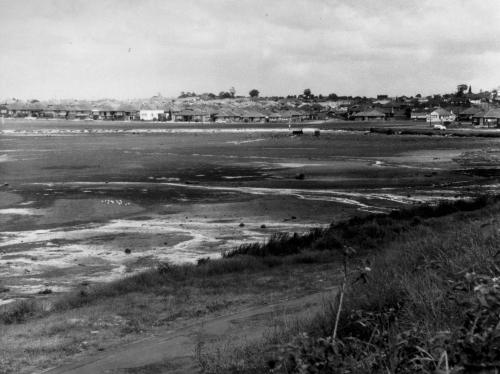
(394, 321)
(127, 309)
(409, 258)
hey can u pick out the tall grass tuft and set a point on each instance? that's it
(18, 312)
(431, 304)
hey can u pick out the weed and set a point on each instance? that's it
(18, 312)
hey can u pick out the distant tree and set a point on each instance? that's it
(461, 89)
(232, 91)
(34, 101)
(186, 94)
(254, 93)
(224, 95)
(208, 96)
(408, 112)
(470, 90)
(332, 96)
(418, 95)
(307, 93)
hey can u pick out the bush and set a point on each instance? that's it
(364, 233)
(18, 312)
(431, 301)
(280, 244)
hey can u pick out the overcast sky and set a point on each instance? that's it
(137, 48)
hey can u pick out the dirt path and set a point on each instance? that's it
(173, 351)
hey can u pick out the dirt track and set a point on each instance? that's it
(173, 351)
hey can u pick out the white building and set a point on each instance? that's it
(440, 115)
(150, 113)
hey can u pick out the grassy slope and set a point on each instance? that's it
(413, 252)
(43, 333)
(431, 300)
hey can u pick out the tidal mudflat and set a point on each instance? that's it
(89, 202)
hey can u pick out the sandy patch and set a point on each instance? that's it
(237, 142)
(96, 252)
(296, 164)
(19, 211)
(6, 158)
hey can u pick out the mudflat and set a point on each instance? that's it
(85, 202)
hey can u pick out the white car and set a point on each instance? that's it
(439, 127)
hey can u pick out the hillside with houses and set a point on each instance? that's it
(462, 107)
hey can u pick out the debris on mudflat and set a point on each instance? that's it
(300, 176)
(115, 202)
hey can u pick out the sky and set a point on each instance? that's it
(124, 49)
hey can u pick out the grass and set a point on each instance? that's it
(430, 304)
(417, 256)
(365, 233)
(35, 334)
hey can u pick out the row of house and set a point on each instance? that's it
(437, 115)
(148, 112)
(255, 112)
(475, 115)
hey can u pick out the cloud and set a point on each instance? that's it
(128, 48)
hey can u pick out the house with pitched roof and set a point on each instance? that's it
(274, 117)
(3, 110)
(253, 116)
(35, 109)
(103, 112)
(149, 112)
(127, 112)
(478, 119)
(466, 114)
(419, 116)
(193, 115)
(226, 116)
(492, 118)
(18, 109)
(369, 115)
(53, 111)
(80, 110)
(440, 115)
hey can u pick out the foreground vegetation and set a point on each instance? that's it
(421, 295)
(48, 330)
(427, 300)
